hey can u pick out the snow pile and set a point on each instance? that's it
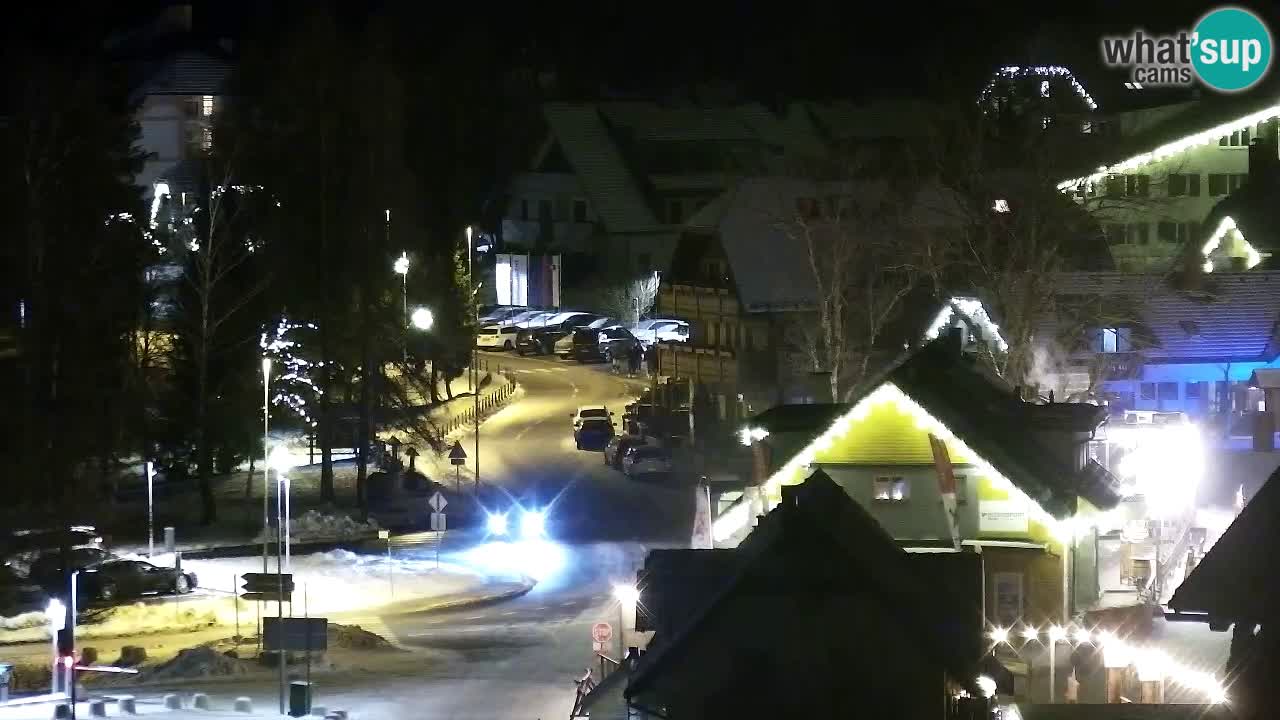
(316, 525)
(353, 637)
(197, 662)
(23, 620)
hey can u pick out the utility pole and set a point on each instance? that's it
(475, 360)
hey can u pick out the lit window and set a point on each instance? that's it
(891, 489)
(206, 105)
(1113, 340)
(1001, 206)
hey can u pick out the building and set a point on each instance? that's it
(1154, 182)
(946, 457)
(1189, 343)
(616, 181)
(1235, 588)
(741, 276)
(817, 613)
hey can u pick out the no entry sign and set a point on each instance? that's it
(602, 632)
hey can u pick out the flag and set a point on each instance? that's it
(947, 486)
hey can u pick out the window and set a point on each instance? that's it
(891, 489)
(1184, 184)
(1114, 340)
(1148, 391)
(1239, 138)
(1167, 232)
(1187, 232)
(524, 209)
(206, 105)
(579, 211)
(1194, 391)
(1137, 185)
(1115, 233)
(1139, 233)
(1115, 185)
(1238, 180)
(1168, 390)
(1217, 184)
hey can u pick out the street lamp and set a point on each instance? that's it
(628, 596)
(422, 319)
(401, 266)
(281, 461)
(475, 359)
(56, 614)
(266, 462)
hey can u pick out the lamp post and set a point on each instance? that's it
(282, 462)
(401, 266)
(266, 460)
(56, 614)
(151, 532)
(627, 596)
(475, 360)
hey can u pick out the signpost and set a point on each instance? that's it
(457, 458)
(267, 587)
(437, 503)
(601, 634)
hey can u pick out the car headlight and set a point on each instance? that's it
(533, 524)
(497, 524)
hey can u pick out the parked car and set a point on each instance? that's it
(500, 314)
(47, 570)
(518, 318)
(496, 337)
(661, 330)
(593, 433)
(120, 579)
(590, 345)
(619, 445)
(541, 340)
(563, 347)
(646, 460)
(588, 412)
(538, 319)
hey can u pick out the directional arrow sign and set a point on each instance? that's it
(437, 502)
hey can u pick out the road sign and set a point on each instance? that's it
(437, 521)
(437, 502)
(265, 587)
(295, 633)
(457, 456)
(601, 632)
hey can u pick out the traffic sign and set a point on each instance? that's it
(437, 522)
(295, 634)
(437, 502)
(265, 587)
(457, 456)
(601, 632)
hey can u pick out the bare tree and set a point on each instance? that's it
(631, 300)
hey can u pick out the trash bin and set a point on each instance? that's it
(299, 698)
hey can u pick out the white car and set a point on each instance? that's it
(500, 315)
(661, 330)
(497, 337)
(536, 320)
(587, 412)
(646, 460)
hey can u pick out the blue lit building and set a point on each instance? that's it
(1185, 343)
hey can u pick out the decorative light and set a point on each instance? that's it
(1153, 664)
(158, 192)
(749, 435)
(1082, 636)
(1001, 205)
(999, 635)
(986, 685)
(533, 524)
(497, 524)
(1057, 633)
(1030, 634)
(1204, 137)
(973, 309)
(1013, 72)
(626, 594)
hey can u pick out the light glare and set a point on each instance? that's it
(497, 524)
(533, 524)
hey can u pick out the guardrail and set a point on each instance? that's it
(491, 398)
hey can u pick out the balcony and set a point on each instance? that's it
(693, 302)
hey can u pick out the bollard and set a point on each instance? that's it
(200, 701)
(126, 705)
(172, 702)
(61, 711)
(243, 705)
(97, 708)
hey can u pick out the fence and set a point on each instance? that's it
(491, 398)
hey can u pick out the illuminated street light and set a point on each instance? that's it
(1083, 636)
(1030, 634)
(1057, 633)
(533, 524)
(999, 635)
(497, 524)
(401, 265)
(626, 594)
(422, 319)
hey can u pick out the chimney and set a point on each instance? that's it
(1264, 155)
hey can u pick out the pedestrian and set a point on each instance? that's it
(633, 360)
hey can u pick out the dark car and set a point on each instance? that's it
(47, 571)
(593, 433)
(119, 579)
(590, 345)
(541, 339)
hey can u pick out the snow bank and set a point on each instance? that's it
(198, 662)
(317, 525)
(23, 620)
